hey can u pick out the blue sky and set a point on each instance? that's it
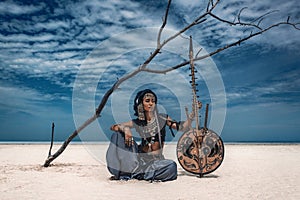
(59, 57)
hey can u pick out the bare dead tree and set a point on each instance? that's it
(211, 5)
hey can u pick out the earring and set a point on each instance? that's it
(140, 109)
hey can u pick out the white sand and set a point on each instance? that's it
(247, 172)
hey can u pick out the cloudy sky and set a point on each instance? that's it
(58, 58)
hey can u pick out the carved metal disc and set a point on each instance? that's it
(200, 151)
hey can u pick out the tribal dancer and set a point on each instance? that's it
(127, 160)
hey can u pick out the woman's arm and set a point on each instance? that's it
(121, 126)
(182, 125)
(125, 128)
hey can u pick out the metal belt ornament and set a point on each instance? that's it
(199, 150)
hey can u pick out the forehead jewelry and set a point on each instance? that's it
(149, 95)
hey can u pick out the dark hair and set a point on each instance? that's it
(139, 99)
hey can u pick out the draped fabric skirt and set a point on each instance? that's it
(126, 163)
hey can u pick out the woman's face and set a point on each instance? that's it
(149, 103)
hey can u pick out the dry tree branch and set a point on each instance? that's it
(198, 52)
(235, 23)
(202, 18)
(197, 21)
(239, 15)
(211, 5)
(163, 24)
(264, 15)
(250, 24)
(238, 42)
(108, 93)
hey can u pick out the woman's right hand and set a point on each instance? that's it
(128, 137)
(124, 128)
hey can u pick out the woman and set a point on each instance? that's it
(126, 159)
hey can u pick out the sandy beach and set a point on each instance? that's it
(249, 171)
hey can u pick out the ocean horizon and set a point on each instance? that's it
(167, 142)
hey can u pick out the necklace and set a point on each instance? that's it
(151, 120)
(150, 129)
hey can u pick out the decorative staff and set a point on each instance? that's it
(199, 150)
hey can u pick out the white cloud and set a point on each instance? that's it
(79, 27)
(17, 9)
(265, 93)
(24, 100)
(21, 37)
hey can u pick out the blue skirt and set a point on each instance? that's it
(126, 163)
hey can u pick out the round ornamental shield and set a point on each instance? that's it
(200, 151)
